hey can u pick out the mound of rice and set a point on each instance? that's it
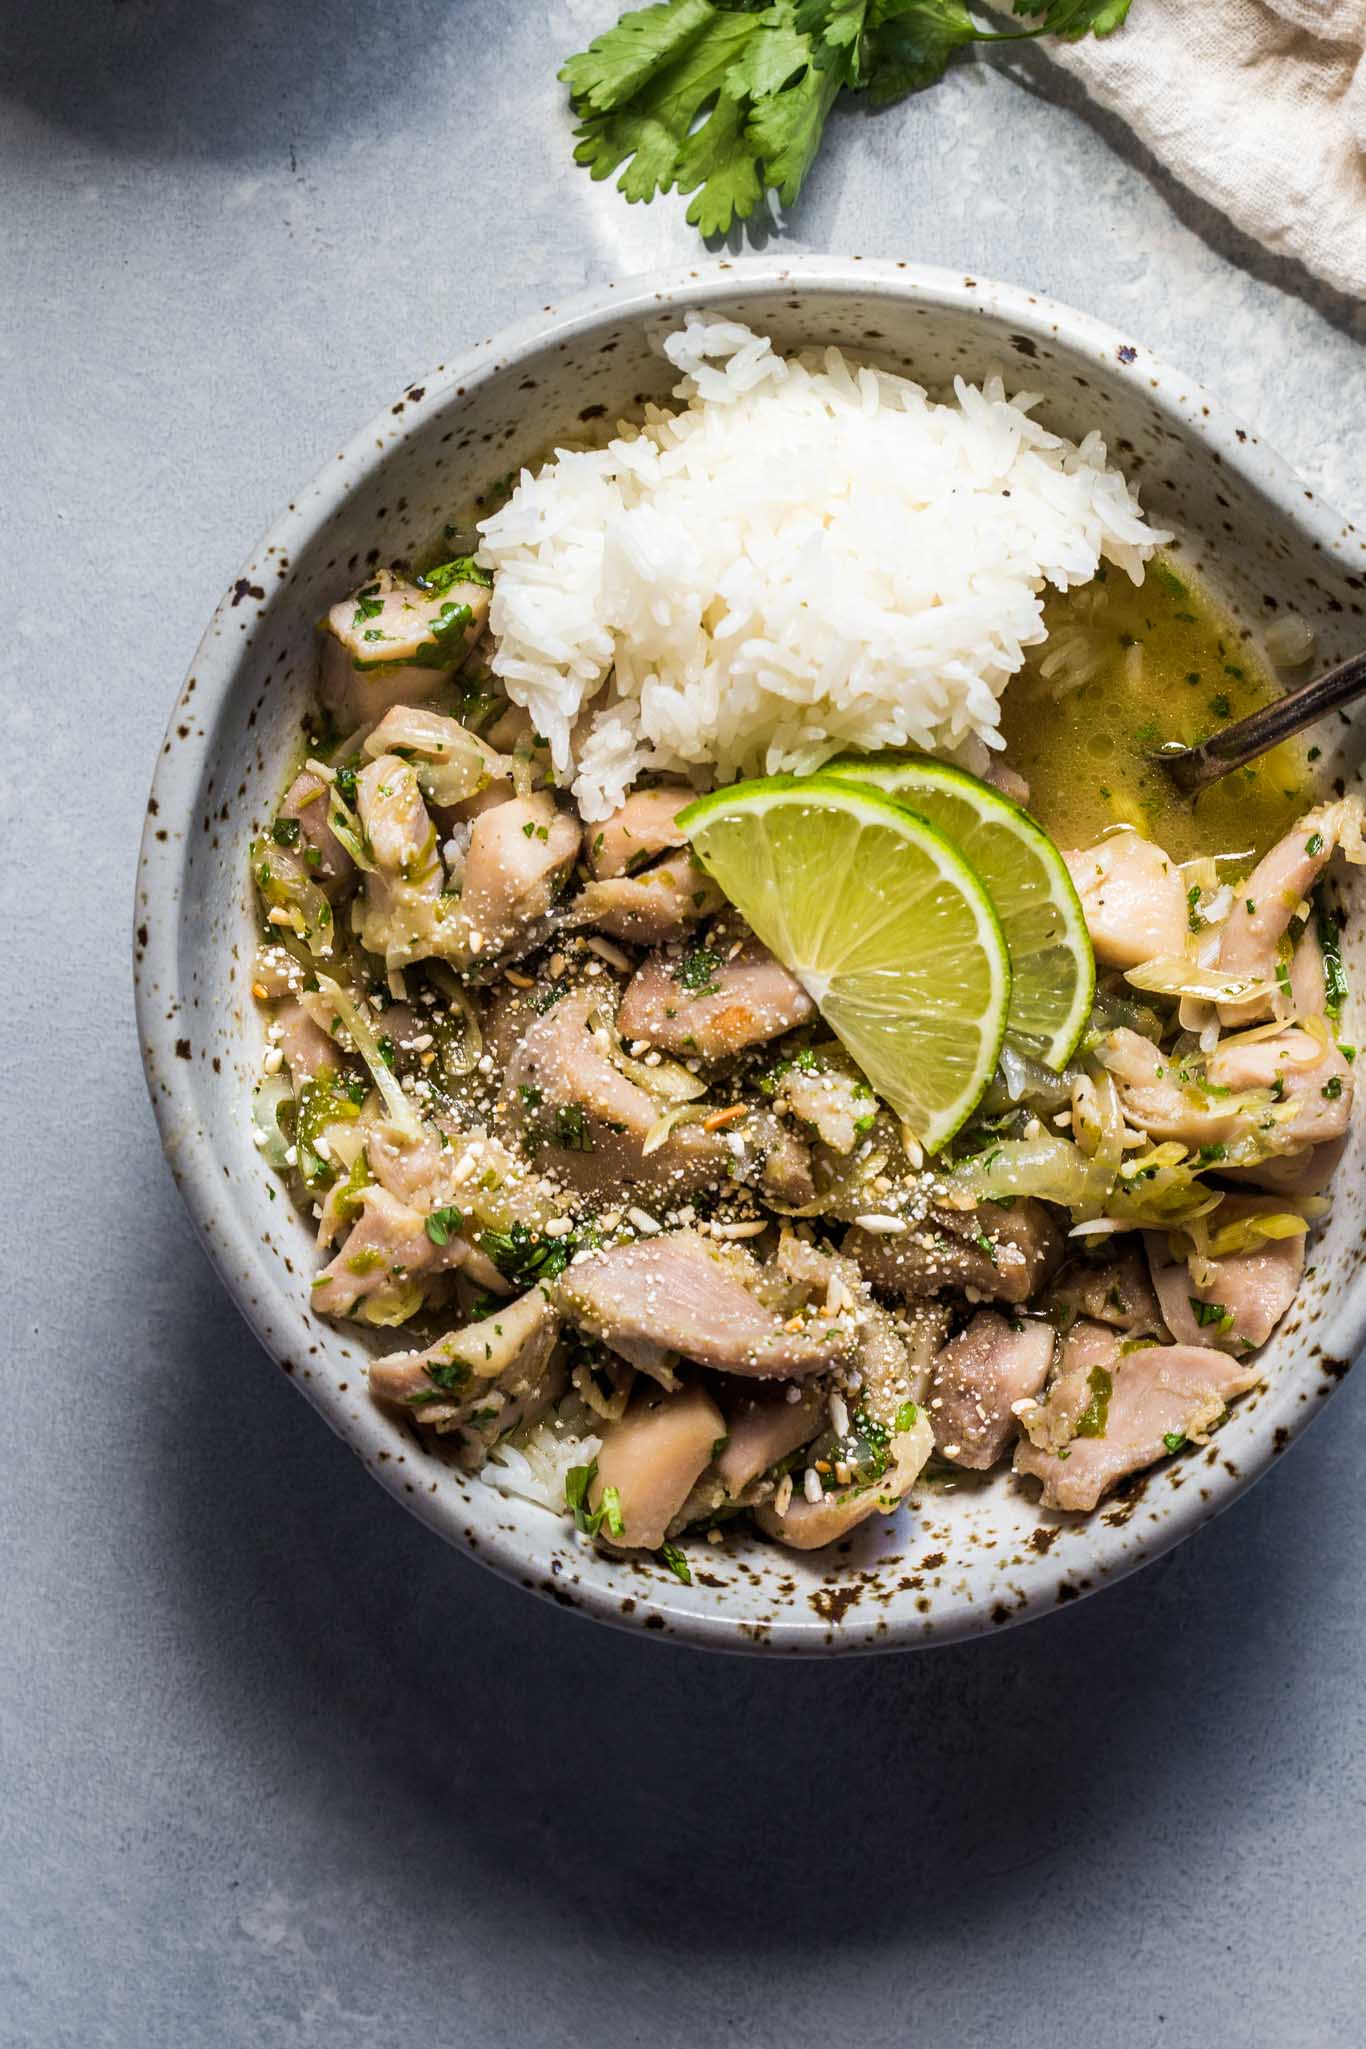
(810, 555)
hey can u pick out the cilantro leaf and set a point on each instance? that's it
(912, 43)
(1073, 19)
(643, 85)
(728, 99)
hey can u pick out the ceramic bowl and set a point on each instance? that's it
(955, 1562)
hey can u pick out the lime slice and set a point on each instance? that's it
(885, 925)
(1053, 968)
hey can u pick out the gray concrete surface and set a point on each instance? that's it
(278, 1769)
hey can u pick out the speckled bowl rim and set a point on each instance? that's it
(228, 1235)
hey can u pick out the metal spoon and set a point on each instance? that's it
(1193, 769)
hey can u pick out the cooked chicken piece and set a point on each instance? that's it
(386, 1251)
(1249, 941)
(1166, 1097)
(307, 1049)
(652, 1458)
(763, 1424)
(839, 1106)
(1002, 1254)
(402, 893)
(581, 1115)
(650, 908)
(324, 857)
(1116, 1291)
(896, 1355)
(1299, 1173)
(1086, 1359)
(1158, 1397)
(1308, 990)
(1007, 782)
(444, 1382)
(978, 1378)
(393, 643)
(1298, 1069)
(679, 1293)
(1132, 899)
(1240, 1297)
(810, 1525)
(705, 1004)
(644, 828)
(519, 854)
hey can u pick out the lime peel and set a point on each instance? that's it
(885, 924)
(1053, 967)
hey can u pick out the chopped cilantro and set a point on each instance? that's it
(285, 832)
(1093, 1418)
(1332, 1088)
(1173, 1439)
(442, 1225)
(696, 970)
(676, 1562)
(524, 1257)
(1207, 1313)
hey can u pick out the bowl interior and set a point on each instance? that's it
(956, 1560)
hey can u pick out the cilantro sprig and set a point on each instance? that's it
(728, 99)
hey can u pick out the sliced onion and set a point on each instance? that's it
(678, 1113)
(367, 1045)
(461, 1059)
(270, 1098)
(1175, 975)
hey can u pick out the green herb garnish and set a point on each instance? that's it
(728, 99)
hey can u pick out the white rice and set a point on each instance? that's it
(810, 555)
(534, 1462)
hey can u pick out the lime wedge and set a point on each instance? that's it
(885, 925)
(1053, 969)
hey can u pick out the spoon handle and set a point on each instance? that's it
(1193, 769)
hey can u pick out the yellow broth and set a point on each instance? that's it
(1124, 669)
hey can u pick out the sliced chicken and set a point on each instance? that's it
(1132, 898)
(324, 857)
(1079, 1389)
(580, 1115)
(1007, 782)
(840, 1107)
(442, 1383)
(1160, 1397)
(678, 1293)
(644, 828)
(662, 903)
(1167, 1097)
(519, 855)
(1240, 1297)
(652, 1459)
(387, 1250)
(978, 1378)
(1302, 1071)
(1263, 905)
(1299, 1173)
(402, 894)
(764, 1424)
(995, 1252)
(395, 643)
(307, 1048)
(709, 1004)
(1308, 989)
(1116, 1291)
(808, 1525)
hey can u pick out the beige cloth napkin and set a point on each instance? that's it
(1257, 105)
